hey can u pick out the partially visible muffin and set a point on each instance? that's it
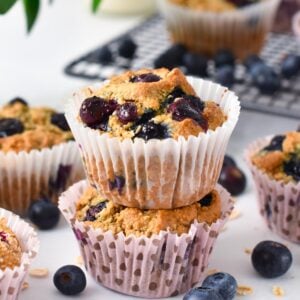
(95, 210)
(10, 249)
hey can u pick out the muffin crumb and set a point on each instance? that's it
(39, 272)
(244, 290)
(278, 291)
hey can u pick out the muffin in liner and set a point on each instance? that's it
(11, 280)
(160, 266)
(242, 30)
(27, 176)
(279, 202)
(157, 174)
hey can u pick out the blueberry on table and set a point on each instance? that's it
(224, 57)
(275, 143)
(44, 214)
(225, 75)
(290, 66)
(69, 280)
(228, 161)
(271, 259)
(195, 64)
(252, 60)
(223, 283)
(171, 58)
(59, 120)
(202, 293)
(105, 55)
(18, 100)
(127, 47)
(10, 126)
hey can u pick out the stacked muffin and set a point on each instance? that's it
(153, 144)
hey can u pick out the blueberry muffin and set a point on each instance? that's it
(95, 210)
(10, 249)
(149, 104)
(24, 128)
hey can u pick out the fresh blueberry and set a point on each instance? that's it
(18, 100)
(258, 68)
(59, 120)
(171, 58)
(275, 144)
(127, 47)
(271, 259)
(127, 112)
(233, 180)
(94, 210)
(252, 60)
(224, 57)
(95, 110)
(105, 55)
(223, 283)
(43, 213)
(290, 66)
(118, 183)
(10, 126)
(69, 280)
(151, 130)
(228, 161)
(202, 293)
(292, 167)
(147, 77)
(206, 200)
(225, 75)
(195, 64)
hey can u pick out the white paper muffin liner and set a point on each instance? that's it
(11, 280)
(241, 30)
(158, 174)
(27, 176)
(279, 203)
(160, 266)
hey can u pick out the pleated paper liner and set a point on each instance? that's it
(156, 174)
(279, 203)
(25, 177)
(11, 280)
(160, 266)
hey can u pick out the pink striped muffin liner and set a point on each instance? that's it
(279, 203)
(11, 280)
(160, 266)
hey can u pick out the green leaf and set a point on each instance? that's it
(31, 10)
(6, 5)
(95, 5)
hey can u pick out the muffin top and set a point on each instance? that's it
(281, 158)
(98, 212)
(149, 104)
(10, 249)
(214, 5)
(24, 128)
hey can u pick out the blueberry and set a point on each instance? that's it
(105, 55)
(251, 60)
(118, 183)
(195, 64)
(292, 167)
(271, 259)
(171, 58)
(69, 280)
(224, 57)
(228, 161)
(148, 114)
(147, 77)
(290, 66)
(151, 130)
(127, 47)
(10, 126)
(95, 110)
(242, 3)
(258, 68)
(176, 93)
(202, 293)
(94, 210)
(59, 120)
(275, 144)
(206, 200)
(223, 283)
(233, 180)
(225, 75)
(18, 100)
(127, 112)
(43, 213)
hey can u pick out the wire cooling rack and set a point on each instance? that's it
(152, 39)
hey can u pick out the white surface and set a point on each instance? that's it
(31, 66)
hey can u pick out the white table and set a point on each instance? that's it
(31, 66)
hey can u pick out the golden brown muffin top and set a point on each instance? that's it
(98, 212)
(24, 128)
(149, 104)
(10, 249)
(281, 158)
